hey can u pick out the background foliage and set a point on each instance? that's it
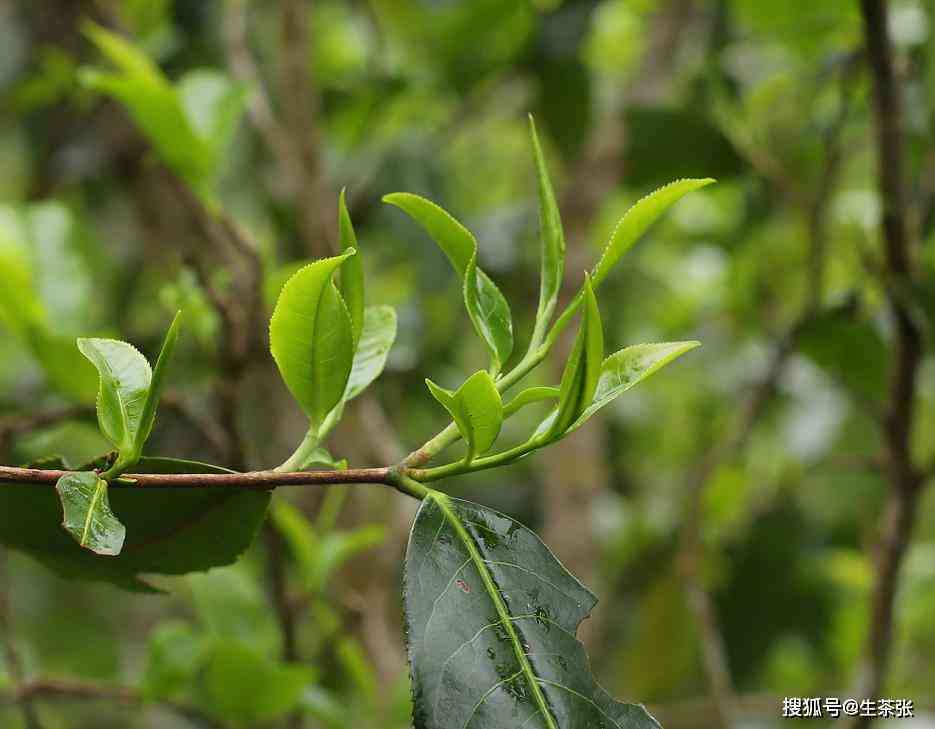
(750, 471)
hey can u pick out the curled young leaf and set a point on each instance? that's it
(579, 380)
(553, 239)
(486, 306)
(311, 338)
(352, 272)
(491, 618)
(476, 409)
(87, 514)
(125, 378)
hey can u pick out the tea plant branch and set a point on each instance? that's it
(49, 689)
(904, 478)
(692, 548)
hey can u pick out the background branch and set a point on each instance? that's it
(904, 481)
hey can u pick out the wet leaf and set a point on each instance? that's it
(87, 514)
(169, 531)
(491, 617)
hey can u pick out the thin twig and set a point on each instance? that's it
(67, 690)
(11, 654)
(261, 480)
(904, 478)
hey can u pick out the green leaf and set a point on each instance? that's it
(125, 377)
(153, 102)
(352, 273)
(175, 653)
(169, 531)
(155, 388)
(491, 617)
(376, 340)
(311, 338)
(213, 104)
(87, 514)
(476, 409)
(638, 219)
(553, 239)
(320, 554)
(628, 367)
(529, 396)
(245, 688)
(486, 306)
(580, 378)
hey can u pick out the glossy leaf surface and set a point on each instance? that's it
(491, 617)
(637, 220)
(376, 340)
(476, 409)
(311, 338)
(169, 531)
(580, 377)
(487, 308)
(87, 514)
(125, 377)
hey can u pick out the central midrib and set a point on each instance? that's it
(502, 611)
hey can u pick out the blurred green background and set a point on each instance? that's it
(748, 472)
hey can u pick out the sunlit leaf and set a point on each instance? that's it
(628, 367)
(475, 408)
(491, 617)
(637, 220)
(311, 338)
(87, 514)
(125, 377)
(486, 306)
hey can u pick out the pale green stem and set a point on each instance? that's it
(478, 464)
(297, 460)
(529, 362)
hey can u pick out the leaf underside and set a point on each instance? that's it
(491, 617)
(169, 531)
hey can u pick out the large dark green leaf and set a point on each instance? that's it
(491, 617)
(169, 531)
